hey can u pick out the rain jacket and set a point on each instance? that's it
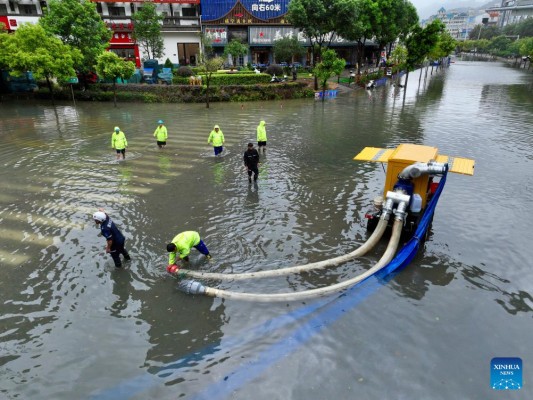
(161, 133)
(261, 132)
(184, 241)
(111, 232)
(118, 141)
(217, 138)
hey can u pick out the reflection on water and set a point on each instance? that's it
(72, 325)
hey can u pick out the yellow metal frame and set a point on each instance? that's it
(407, 154)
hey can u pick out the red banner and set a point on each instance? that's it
(153, 1)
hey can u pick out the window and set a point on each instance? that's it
(116, 11)
(3, 9)
(188, 12)
(128, 54)
(28, 9)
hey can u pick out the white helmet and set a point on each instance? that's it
(99, 216)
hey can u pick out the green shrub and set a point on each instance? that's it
(274, 69)
(168, 64)
(184, 71)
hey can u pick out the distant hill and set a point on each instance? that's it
(427, 8)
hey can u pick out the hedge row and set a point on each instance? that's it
(184, 93)
(218, 79)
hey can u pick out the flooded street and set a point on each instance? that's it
(74, 327)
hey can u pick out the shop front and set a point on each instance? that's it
(122, 43)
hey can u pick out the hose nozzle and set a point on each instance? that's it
(189, 286)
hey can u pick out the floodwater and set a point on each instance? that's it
(73, 327)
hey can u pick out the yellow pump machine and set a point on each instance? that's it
(412, 170)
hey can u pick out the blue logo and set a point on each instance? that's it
(506, 373)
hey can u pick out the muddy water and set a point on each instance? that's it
(73, 327)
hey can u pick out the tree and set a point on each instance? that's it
(4, 55)
(445, 45)
(111, 66)
(78, 24)
(287, 48)
(484, 32)
(208, 67)
(147, 30)
(526, 50)
(522, 29)
(420, 43)
(317, 19)
(235, 49)
(356, 22)
(500, 45)
(394, 19)
(31, 48)
(329, 66)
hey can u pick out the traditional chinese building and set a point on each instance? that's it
(258, 23)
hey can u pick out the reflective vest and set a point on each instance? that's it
(161, 133)
(184, 241)
(118, 141)
(261, 132)
(217, 138)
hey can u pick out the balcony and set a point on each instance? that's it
(181, 24)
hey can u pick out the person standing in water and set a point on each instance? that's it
(261, 136)
(119, 143)
(181, 246)
(251, 161)
(114, 238)
(216, 137)
(161, 134)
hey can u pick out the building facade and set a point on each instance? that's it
(512, 11)
(458, 23)
(180, 29)
(256, 23)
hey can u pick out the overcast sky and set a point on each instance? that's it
(426, 8)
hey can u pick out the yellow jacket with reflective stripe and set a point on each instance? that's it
(118, 141)
(184, 241)
(161, 133)
(261, 132)
(217, 138)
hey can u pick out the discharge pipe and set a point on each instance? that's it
(419, 168)
(332, 262)
(194, 287)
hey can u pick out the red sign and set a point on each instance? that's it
(121, 37)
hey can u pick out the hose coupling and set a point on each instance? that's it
(189, 286)
(401, 211)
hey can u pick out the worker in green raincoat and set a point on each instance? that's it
(119, 143)
(216, 137)
(161, 134)
(181, 246)
(261, 136)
